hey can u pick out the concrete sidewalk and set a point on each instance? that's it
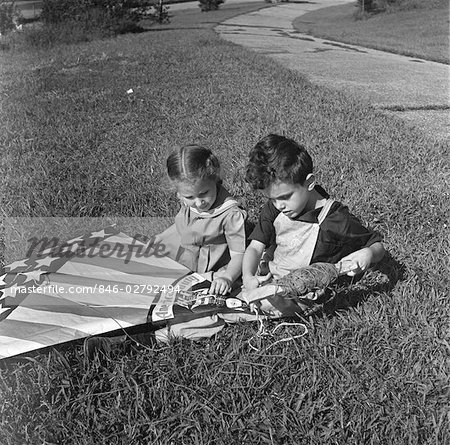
(412, 89)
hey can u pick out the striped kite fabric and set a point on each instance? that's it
(97, 283)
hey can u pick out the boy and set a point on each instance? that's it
(299, 223)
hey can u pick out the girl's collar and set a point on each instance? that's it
(223, 202)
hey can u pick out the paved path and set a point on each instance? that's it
(388, 81)
(412, 89)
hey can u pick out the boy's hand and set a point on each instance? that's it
(254, 281)
(250, 296)
(358, 262)
(250, 282)
(220, 286)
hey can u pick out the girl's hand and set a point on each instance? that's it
(220, 286)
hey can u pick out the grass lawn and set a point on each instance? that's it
(417, 32)
(74, 143)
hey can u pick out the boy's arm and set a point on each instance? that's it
(252, 257)
(362, 259)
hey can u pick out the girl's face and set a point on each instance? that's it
(201, 195)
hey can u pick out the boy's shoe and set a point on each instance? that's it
(95, 345)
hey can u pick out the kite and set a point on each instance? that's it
(106, 281)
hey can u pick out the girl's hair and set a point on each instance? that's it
(191, 163)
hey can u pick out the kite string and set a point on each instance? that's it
(262, 331)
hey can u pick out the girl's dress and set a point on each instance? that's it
(204, 241)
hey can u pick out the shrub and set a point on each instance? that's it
(160, 12)
(370, 5)
(62, 33)
(210, 5)
(57, 11)
(115, 16)
(74, 21)
(9, 16)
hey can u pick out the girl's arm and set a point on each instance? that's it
(166, 234)
(234, 231)
(224, 279)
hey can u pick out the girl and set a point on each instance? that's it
(208, 235)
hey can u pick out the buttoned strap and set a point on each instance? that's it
(325, 209)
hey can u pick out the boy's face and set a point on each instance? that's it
(201, 195)
(291, 199)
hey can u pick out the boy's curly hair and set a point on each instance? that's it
(277, 158)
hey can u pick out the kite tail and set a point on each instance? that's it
(308, 279)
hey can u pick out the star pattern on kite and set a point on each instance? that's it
(33, 271)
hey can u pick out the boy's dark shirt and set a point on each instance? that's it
(340, 234)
